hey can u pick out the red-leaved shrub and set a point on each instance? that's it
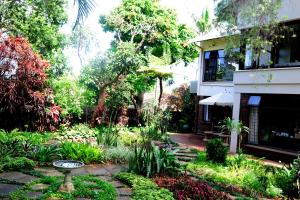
(24, 98)
(185, 188)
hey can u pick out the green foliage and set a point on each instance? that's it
(45, 155)
(266, 30)
(41, 26)
(82, 152)
(17, 163)
(118, 154)
(71, 97)
(130, 137)
(143, 188)
(216, 151)
(239, 172)
(85, 186)
(204, 22)
(78, 132)
(108, 135)
(148, 159)
(34, 138)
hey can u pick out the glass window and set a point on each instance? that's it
(217, 67)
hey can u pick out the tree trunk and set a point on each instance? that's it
(160, 90)
(97, 115)
(138, 101)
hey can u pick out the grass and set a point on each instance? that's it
(86, 186)
(251, 176)
(144, 188)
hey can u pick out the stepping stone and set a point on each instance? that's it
(48, 171)
(124, 191)
(105, 178)
(80, 171)
(98, 171)
(39, 187)
(115, 168)
(17, 177)
(187, 159)
(34, 195)
(6, 189)
(186, 155)
(117, 184)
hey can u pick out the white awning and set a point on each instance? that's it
(220, 99)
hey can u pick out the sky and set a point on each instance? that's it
(184, 8)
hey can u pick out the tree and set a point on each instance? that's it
(203, 23)
(71, 97)
(39, 22)
(24, 99)
(105, 72)
(84, 9)
(151, 29)
(259, 26)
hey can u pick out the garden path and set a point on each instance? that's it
(12, 181)
(188, 140)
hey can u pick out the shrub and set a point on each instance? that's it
(216, 151)
(130, 137)
(144, 188)
(79, 133)
(108, 135)
(46, 154)
(118, 154)
(148, 159)
(17, 163)
(70, 96)
(82, 152)
(186, 188)
(24, 97)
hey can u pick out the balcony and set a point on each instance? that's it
(272, 80)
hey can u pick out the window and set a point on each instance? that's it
(217, 67)
(287, 52)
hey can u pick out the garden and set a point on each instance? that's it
(95, 136)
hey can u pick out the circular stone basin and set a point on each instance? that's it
(68, 164)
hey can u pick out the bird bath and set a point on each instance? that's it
(66, 166)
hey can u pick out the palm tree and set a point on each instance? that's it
(84, 9)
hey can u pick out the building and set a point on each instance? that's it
(266, 99)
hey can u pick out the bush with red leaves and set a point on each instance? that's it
(24, 98)
(186, 188)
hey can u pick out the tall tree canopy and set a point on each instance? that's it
(148, 29)
(38, 21)
(259, 26)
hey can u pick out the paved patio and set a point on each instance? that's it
(188, 140)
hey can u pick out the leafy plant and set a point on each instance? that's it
(118, 154)
(108, 135)
(25, 83)
(144, 188)
(78, 132)
(46, 154)
(17, 163)
(82, 152)
(184, 187)
(216, 151)
(148, 159)
(241, 173)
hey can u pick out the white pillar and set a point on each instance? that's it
(235, 116)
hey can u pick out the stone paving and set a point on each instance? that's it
(11, 181)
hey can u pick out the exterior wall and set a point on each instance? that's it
(289, 11)
(268, 81)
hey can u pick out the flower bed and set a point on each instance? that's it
(184, 187)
